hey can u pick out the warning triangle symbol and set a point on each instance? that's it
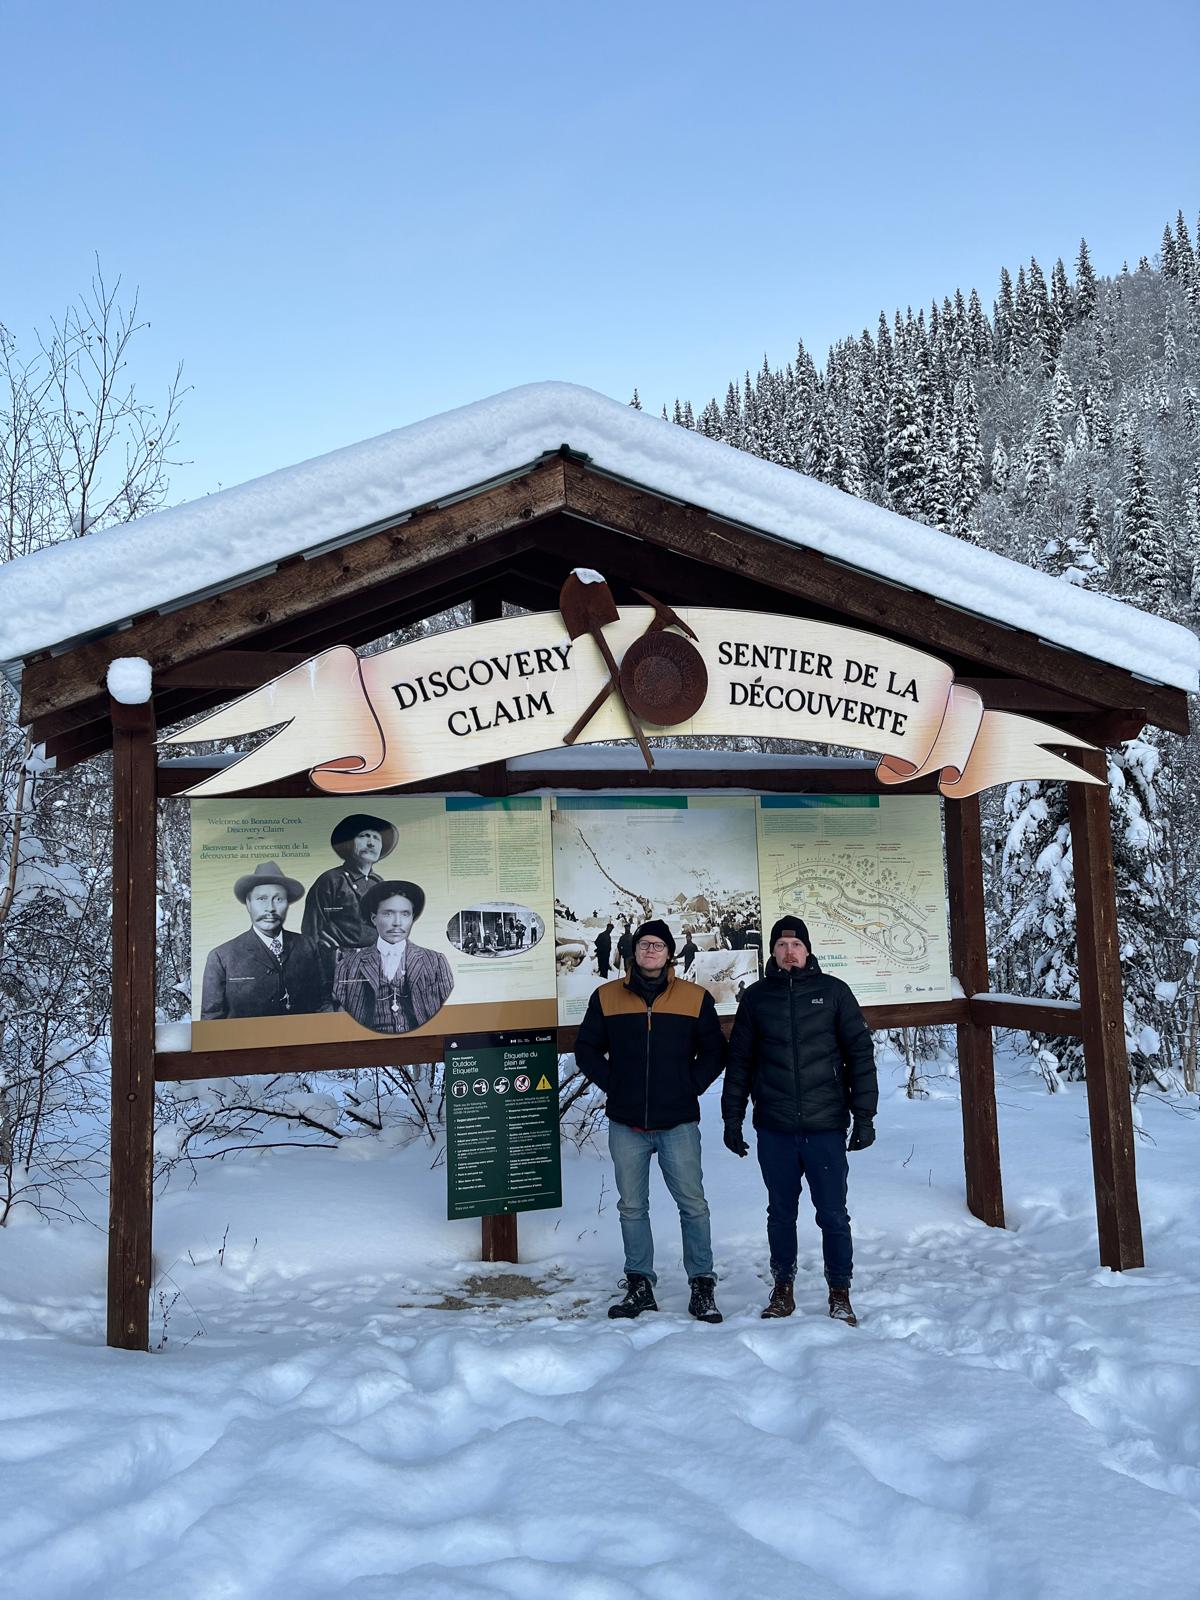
(543, 1082)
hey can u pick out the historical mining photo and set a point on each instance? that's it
(618, 861)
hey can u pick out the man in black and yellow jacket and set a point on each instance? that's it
(653, 1044)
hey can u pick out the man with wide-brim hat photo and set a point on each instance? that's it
(266, 971)
(393, 985)
(333, 917)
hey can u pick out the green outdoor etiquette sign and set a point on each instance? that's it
(502, 1150)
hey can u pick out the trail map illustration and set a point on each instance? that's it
(865, 873)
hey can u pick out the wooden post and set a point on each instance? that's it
(131, 1161)
(1110, 1114)
(500, 1237)
(968, 947)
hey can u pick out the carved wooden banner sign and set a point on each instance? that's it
(590, 672)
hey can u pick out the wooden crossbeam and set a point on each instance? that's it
(179, 1066)
(174, 780)
(1027, 1016)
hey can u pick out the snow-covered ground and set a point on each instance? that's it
(346, 1403)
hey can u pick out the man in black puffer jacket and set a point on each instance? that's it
(801, 1050)
(653, 1043)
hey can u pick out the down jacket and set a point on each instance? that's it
(653, 1062)
(802, 1051)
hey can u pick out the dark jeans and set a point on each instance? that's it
(786, 1160)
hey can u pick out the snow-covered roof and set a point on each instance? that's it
(88, 586)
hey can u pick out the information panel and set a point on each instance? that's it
(865, 873)
(689, 860)
(312, 921)
(502, 1140)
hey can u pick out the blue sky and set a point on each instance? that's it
(344, 217)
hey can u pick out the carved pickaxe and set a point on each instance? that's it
(663, 618)
(588, 608)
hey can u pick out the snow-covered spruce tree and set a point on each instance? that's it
(938, 491)
(1034, 949)
(1144, 913)
(966, 456)
(1037, 897)
(1081, 562)
(1143, 553)
(904, 451)
(1085, 284)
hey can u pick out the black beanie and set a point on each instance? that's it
(656, 929)
(793, 925)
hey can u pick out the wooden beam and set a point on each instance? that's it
(295, 591)
(173, 780)
(968, 959)
(80, 732)
(131, 1202)
(231, 669)
(1028, 1016)
(1023, 697)
(917, 618)
(768, 780)
(180, 1066)
(1110, 1115)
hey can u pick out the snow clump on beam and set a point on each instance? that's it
(128, 680)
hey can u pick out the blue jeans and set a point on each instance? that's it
(786, 1160)
(678, 1151)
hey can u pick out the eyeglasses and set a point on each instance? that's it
(651, 947)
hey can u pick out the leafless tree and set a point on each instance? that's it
(79, 451)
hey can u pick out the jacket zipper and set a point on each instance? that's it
(795, 1049)
(649, 1026)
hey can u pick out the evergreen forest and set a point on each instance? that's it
(1060, 428)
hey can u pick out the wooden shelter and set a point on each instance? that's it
(514, 540)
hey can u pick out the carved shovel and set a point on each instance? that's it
(588, 608)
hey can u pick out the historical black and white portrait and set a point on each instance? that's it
(333, 917)
(494, 928)
(266, 971)
(393, 984)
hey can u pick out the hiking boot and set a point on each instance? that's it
(783, 1299)
(840, 1308)
(639, 1297)
(703, 1305)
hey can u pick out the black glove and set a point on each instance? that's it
(862, 1134)
(734, 1140)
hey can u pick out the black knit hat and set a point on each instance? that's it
(796, 927)
(655, 929)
